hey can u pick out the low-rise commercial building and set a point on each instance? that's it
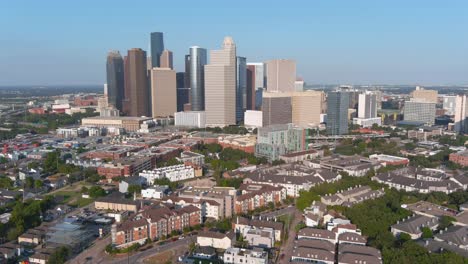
(190, 119)
(128, 123)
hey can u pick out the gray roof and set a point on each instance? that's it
(313, 253)
(457, 235)
(413, 224)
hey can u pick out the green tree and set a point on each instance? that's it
(426, 232)
(446, 221)
(38, 184)
(5, 182)
(29, 182)
(60, 256)
(133, 188)
(96, 191)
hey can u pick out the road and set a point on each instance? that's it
(283, 211)
(95, 254)
(288, 246)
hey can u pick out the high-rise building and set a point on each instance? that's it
(337, 112)
(126, 100)
(187, 71)
(299, 85)
(255, 82)
(183, 93)
(138, 88)
(303, 109)
(163, 92)
(276, 108)
(241, 88)
(276, 140)
(280, 75)
(166, 60)
(419, 111)
(197, 78)
(422, 94)
(220, 86)
(115, 79)
(306, 108)
(157, 48)
(449, 103)
(461, 114)
(367, 105)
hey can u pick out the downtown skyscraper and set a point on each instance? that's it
(197, 61)
(115, 79)
(138, 88)
(220, 86)
(241, 88)
(157, 48)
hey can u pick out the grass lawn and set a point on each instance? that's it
(81, 202)
(72, 194)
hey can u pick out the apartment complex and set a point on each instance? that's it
(277, 140)
(172, 173)
(257, 196)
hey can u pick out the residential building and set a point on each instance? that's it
(115, 79)
(351, 254)
(155, 192)
(242, 223)
(163, 92)
(129, 181)
(337, 112)
(197, 61)
(276, 140)
(352, 196)
(220, 86)
(234, 255)
(172, 173)
(257, 196)
(129, 166)
(245, 143)
(419, 111)
(188, 157)
(460, 158)
(223, 197)
(263, 238)
(293, 157)
(280, 75)
(353, 165)
(413, 225)
(390, 160)
(367, 106)
(216, 239)
(154, 223)
(113, 203)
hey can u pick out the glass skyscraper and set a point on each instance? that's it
(241, 88)
(157, 47)
(115, 79)
(337, 112)
(198, 61)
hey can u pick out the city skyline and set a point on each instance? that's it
(350, 43)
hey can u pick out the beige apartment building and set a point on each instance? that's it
(281, 75)
(306, 108)
(220, 86)
(163, 92)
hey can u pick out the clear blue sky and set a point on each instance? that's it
(349, 41)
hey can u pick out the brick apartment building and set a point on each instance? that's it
(154, 223)
(257, 195)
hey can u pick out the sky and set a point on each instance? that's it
(59, 42)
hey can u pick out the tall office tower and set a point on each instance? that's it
(163, 92)
(220, 86)
(422, 94)
(115, 79)
(299, 85)
(187, 71)
(157, 48)
(449, 103)
(166, 60)
(461, 114)
(280, 75)
(139, 92)
(183, 93)
(420, 111)
(306, 108)
(126, 99)
(255, 83)
(197, 78)
(276, 108)
(105, 89)
(337, 112)
(367, 106)
(241, 88)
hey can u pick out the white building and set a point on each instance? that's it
(243, 256)
(367, 105)
(367, 122)
(461, 112)
(173, 173)
(449, 103)
(253, 119)
(215, 239)
(155, 192)
(192, 157)
(264, 238)
(190, 119)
